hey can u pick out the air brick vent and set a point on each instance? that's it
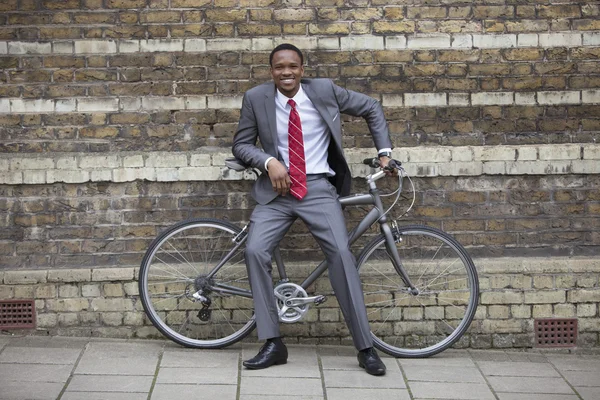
(17, 314)
(556, 332)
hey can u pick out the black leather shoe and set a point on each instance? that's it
(370, 361)
(270, 354)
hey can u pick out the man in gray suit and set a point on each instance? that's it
(303, 171)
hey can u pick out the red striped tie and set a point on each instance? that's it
(296, 154)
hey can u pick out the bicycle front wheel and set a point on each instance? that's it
(408, 324)
(182, 261)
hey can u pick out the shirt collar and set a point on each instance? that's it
(299, 98)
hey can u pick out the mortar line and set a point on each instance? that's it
(487, 382)
(68, 382)
(321, 372)
(564, 378)
(156, 371)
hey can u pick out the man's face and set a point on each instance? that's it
(287, 70)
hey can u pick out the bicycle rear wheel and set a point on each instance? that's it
(177, 265)
(418, 325)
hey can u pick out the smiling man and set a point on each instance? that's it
(297, 122)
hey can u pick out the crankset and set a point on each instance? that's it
(293, 301)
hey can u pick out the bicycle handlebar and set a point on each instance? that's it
(374, 163)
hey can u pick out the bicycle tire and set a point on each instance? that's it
(421, 325)
(175, 263)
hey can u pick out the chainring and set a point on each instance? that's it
(285, 291)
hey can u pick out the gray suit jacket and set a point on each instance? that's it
(257, 121)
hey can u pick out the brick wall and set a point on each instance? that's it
(116, 117)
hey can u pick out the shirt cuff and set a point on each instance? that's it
(387, 149)
(267, 162)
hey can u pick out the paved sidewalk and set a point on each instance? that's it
(94, 369)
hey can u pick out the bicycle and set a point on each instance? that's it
(420, 285)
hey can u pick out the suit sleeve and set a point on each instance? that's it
(246, 136)
(361, 105)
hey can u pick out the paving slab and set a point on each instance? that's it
(443, 374)
(583, 378)
(39, 355)
(367, 394)
(529, 385)
(449, 362)
(360, 379)
(589, 393)
(197, 376)
(450, 391)
(118, 358)
(279, 397)
(302, 363)
(49, 342)
(171, 392)
(103, 396)
(200, 358)
(505, 368)
(30, 391)
(281, 386)
(532, 396)
(110, 383)
(345, 362)
(34, 373)
(575, 363)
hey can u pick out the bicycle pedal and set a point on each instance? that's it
(320, 300)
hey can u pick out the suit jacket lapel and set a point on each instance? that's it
(270, 112)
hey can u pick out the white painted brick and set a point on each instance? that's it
(228, 44)
(492, 98)
(4, 163)
(65, 105)
(538, 167)
(167, 174)
(262, 44)
(195, 102)
(361, 42)
(136, 161)
(425, 99)
(68, 176)
(166, 160)
(560, 152)
(525, 98)
(98, 104)
(392, 100)
(4, 105)
(459, 99)
(163, 103)
(29, 48)
(560, 39)
(95, 46)
(224, 102)
(423, 169)
(562, 97)
(462, 41)
(99, 162)
(458, 168)
(585, 167)
(129, 46)
(11, 178)
(328, 43)
(591, 38)
(101, 175)
(302, 42)
(527, 153)
(132, 174)
(130, 103)
(66, 163)
(34, 177)
(494, 168)
(62, 47)
(429, 154)
(168, 45)
(31, 105)
(395, 42)
(31, 163)
(494, 41)
(3, 48)
(590, 96)
(495, 153)
(218, 159)
(527, 40)
(591, 152)
(200, 174)
(194, 45)
(462, 153)
(429, 42)
(201, 160)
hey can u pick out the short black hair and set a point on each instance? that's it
(286, 46)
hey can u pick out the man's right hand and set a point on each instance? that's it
(279, 177)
